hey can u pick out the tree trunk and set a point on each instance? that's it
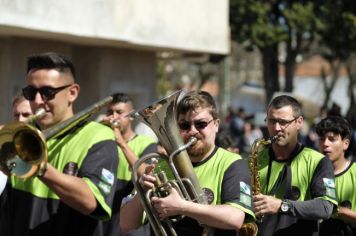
(335, 72)
(351, 73)
(270, 71)
(290, 64)
(289, 75)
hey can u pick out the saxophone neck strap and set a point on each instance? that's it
(285, 174)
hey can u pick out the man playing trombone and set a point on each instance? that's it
(72, 192)
(222, 175)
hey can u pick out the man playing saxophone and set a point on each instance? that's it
(222, 175)
(297, 183)
(73, 193)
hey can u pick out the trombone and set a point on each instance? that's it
(23, 149)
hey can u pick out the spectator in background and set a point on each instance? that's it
(250, 134)
(225, 140)
(237, 124)
(21, 109)
(335, 110)
(311, 138)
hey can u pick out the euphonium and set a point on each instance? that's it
(250, 228)
(23, 150)
(161, 118)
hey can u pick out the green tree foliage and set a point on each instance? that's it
(267, 24)
(338, 37)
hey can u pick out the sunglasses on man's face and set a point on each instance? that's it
(199, 124)
(47, 93)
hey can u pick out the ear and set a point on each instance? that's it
(74, 92)
(300, 122)
(346, 143)
(217, 123)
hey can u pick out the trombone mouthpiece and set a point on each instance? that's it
(38, 115)
(40, 112)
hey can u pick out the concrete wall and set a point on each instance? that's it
(113, 43)
(184, 25)
(100, 71)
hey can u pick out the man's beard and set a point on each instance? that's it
(199, 150)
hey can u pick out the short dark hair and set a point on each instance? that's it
(197, 99)
(121, 97)
(335, 124)
(50, 60)
(286, 100)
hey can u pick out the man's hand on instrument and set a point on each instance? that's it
(265, 205)
(171, 205)
(119, 139)
(147, 180)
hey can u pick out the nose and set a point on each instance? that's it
(38, 99)
(192, 129)
(277, 126)
(324, 143)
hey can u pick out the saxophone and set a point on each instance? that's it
(250, 228)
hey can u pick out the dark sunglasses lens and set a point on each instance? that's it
(201, 124)
(47, 93)
(29, 93)
(184, 126)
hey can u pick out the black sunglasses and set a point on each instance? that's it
(199, 125)
(47, 93)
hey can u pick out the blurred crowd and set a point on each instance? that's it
(239, 130)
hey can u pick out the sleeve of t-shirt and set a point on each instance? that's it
(236, 189)
(99, 170)
(323, 181)
(152, 148)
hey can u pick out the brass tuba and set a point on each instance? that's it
(161, 118)
(23, 150)
(250, 228)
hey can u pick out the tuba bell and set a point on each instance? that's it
(23, 149)
(161, 118)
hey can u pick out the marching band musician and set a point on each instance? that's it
(297, 183)
(132, 146)
(74, 192)
(223, 175)
(334, 139)
(21, 109)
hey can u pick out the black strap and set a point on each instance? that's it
(285, 174)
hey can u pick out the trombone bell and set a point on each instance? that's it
(22, 149)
